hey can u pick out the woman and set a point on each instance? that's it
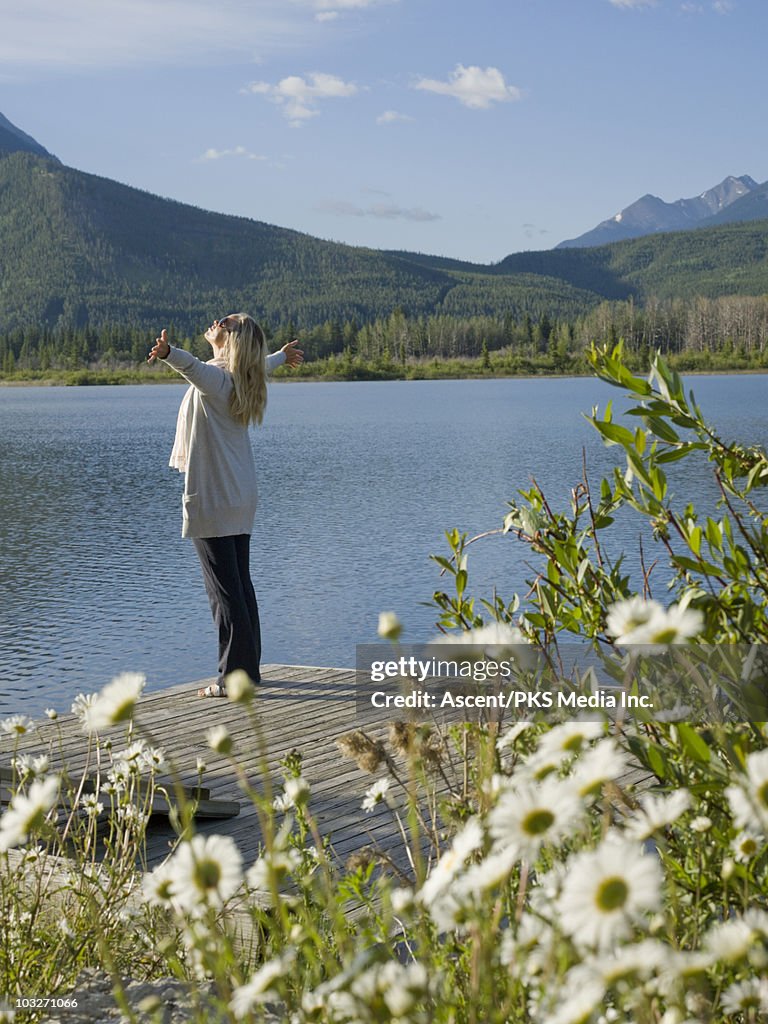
(213, 450)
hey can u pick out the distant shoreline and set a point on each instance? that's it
(95, 378)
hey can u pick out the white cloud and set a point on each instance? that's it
(84, 34)
(722, 6)
(390, 116)
(475, 87)
(299, 96)
(328, 10)
(385, 211)
(240, 151)
(628, 5)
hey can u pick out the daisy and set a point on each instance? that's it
(531, 814)
(390, 627)
(206, 871)
(375, 794)
(730, 940)
(272, 867)
(606, 890)
(656, 813)
(157, 885)
(489, 872)
(570, 737)
(602, 763)
(746, 996)
(494, 640)
(465, 843)
(219, 740)
(115, 703)
(646, 623)
(629, 619)
(580, 999)
(16, 725)
(757, 782)
(27, 812)
(238, 686)
(510, 736)
(258, 990)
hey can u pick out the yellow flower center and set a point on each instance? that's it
(612, 894)
(538, 822)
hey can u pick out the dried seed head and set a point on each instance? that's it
(361, 859)
(368, 753)
(401, 736)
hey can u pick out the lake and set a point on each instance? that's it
(358, 481)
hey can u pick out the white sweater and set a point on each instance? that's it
(213, 451)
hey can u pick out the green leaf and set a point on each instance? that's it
(693, 743)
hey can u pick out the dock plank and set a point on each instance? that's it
(296, 707)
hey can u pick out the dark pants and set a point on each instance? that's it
(226, 572)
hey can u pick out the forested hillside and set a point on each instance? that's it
(90, 268)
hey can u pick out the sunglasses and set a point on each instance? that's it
(223, 324)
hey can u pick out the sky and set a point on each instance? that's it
(461, 128)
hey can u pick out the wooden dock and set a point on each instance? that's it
(301, 708)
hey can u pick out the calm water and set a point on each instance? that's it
(357, 482)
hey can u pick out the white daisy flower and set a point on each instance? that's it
(749, 997)
(489, 872)
(258, 990)
(730, 940)
(401, 986)
(656, 813)
(570, 738)
(272, 868)
(582, 995)
(52, 714)
(375, 794)
(206, 871)
(510, 736)
(757, 920)
(297, 790)
(531, 814)
(465, 843)
(495, 640)
(602, 763)
(238, 686)
(90, 804)
(157, 885)
(637, 958)
(390, 627)
(637, 622)
(219, 739)
(16, 725)
(27, 811)
(115, 703)
(81, 706)
(402, 899)
(606, 890)
(630, 618)
(743, 812)
(701, 823)
(757, 783)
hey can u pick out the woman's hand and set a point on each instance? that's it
(293, 356)
(162, 349)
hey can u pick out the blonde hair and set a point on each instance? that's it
(246, 355)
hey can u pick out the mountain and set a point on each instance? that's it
(649, 214)
(77, 250)
(14, 140)
(752, 206)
